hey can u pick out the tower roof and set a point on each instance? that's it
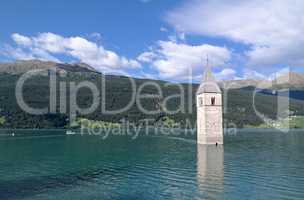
(208, 84)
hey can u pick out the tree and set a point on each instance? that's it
(2, 121)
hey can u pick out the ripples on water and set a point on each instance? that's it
(251, 165)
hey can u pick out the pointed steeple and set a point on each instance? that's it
(209, 84)
(208, 76)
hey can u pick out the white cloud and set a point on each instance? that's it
(17, 53)
(178, 61)
(182, 36)
(272, 29)
(96, 36)
(279, 73)
(27, 54)
(46, 46)
(147, 56)
(251, 74)
(163, 29)
(21, 40)
(226, 74)
(176, 37)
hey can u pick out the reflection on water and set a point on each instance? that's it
(48, 165)
(210, 170)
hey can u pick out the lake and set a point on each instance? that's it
(254, 164)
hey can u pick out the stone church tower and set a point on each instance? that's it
(209, 110)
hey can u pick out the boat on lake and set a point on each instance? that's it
(69, 132)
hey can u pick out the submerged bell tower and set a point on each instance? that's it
(209, 110)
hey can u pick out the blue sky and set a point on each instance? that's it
(125, 26)
(158, 39)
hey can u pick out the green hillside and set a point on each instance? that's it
(238, 106)
(238, 103)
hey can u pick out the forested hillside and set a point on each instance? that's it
(238, 102)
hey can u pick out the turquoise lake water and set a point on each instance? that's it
(51, 165)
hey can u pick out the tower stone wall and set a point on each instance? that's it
(209, 111)
(209, 119)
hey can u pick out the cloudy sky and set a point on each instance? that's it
(161, 39)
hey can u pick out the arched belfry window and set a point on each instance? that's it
(212, 101)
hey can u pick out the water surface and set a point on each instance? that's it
(51, 165)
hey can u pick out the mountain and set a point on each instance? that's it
(22, 66)
(287, 80)
(291, 80)
(234, 84)
(289, 84)
(239, 109)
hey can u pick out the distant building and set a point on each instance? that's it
(209, 110)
